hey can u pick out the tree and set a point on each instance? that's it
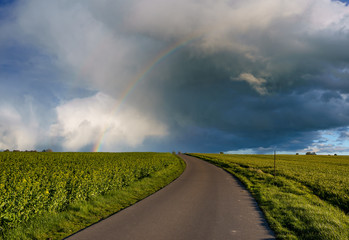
(310, 153)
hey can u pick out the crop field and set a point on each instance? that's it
(307, 199)
(34, 184)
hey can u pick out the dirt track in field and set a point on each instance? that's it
(205, 202)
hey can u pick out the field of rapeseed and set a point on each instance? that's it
(33, 184)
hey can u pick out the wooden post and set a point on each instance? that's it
(274, 163)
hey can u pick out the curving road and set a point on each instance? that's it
(205, 202)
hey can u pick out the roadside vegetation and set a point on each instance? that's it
(307, 199)
(52, 195)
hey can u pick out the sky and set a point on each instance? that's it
(238, 76)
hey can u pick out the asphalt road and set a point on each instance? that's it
(205, 202)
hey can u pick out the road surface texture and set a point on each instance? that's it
(205, 202)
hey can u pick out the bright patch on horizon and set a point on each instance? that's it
(80, 122)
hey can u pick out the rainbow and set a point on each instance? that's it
(160, 57)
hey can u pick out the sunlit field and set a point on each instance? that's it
(307, 199)
(33, 185)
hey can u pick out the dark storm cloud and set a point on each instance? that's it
(202, 103)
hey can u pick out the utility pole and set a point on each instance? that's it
(274, 163)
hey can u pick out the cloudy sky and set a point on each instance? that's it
(246, 76)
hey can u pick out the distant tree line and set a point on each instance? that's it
(314, 153)
(45, 150)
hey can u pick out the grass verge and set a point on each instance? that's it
(82, 214)
(292, 210)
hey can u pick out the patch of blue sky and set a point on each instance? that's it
(333, 141)
(242, 151)
(27, 70)
(343, 1)
(6, 2)
(15, 56)
(6, 9)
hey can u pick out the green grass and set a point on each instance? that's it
(306, 200)
(138, 175)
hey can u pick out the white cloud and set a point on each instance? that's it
(17, 131)
(256, 83)
(82, 122)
